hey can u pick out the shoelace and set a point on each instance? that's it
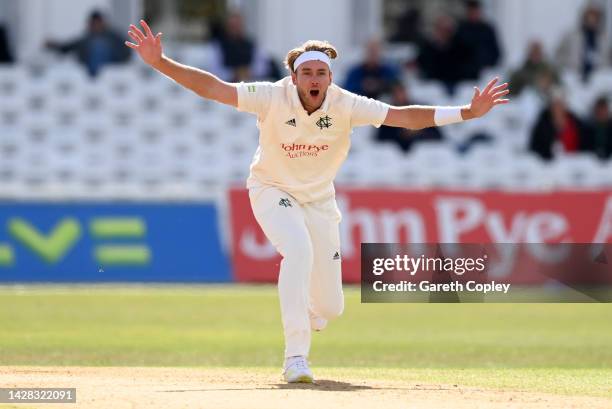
(299, 363)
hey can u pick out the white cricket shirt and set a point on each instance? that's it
(300, 153)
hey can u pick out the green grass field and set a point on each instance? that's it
(557, 348)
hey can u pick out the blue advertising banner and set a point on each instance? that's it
(110, 242)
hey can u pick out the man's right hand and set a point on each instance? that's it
(147, 45)
(205, 84)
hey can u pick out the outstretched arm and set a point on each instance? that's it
(419, 117)
(205, 84)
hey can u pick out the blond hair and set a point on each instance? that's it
(310, 45)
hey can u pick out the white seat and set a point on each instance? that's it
(121, 76)
(363, 139)
(530, 105)
(576, 170)
(429, 92)
(32, 165)
(65, 79)
(464, 91)
(433, 154)
(488, 73)
(580, 100)
(527, 172)
(381, 166)
(489, 155)
(603, 175)
(13, 81)
(440, 177)
(11, 136)
(471, 174)
(13, 112)
(570, 79)
(93, 97)
(168, 90)
(210, 171)
(601, 80)
(353, 169)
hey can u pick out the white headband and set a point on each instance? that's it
(311, 56)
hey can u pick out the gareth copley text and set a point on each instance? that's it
(471, 286)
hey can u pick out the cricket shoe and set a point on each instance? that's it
(316, 323)
(297, 370)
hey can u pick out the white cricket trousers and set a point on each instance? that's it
(310, 281)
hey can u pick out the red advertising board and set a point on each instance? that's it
(401, 216)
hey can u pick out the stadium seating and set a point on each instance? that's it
(134, 134)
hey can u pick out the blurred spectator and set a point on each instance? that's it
(600, 129)
(408, 27)
(372, 77)
(588, 47)
(478, 138)
(439, 54)
(236, 58)
(558, 129)
(479, 40)
(403, 137)
(5, 50)
(97, 47)
(536, 72)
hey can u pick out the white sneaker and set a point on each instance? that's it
(297, 370)
(316, 323)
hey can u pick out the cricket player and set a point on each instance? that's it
(305, 122)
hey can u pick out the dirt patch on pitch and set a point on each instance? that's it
(171, 388)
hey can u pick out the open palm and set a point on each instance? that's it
(147, 45)
(492, 95)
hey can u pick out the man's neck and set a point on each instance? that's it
(307, 108)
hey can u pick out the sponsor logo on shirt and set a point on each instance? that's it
(296, 150)
(337, 255)
(291, 122)
(251, 88)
